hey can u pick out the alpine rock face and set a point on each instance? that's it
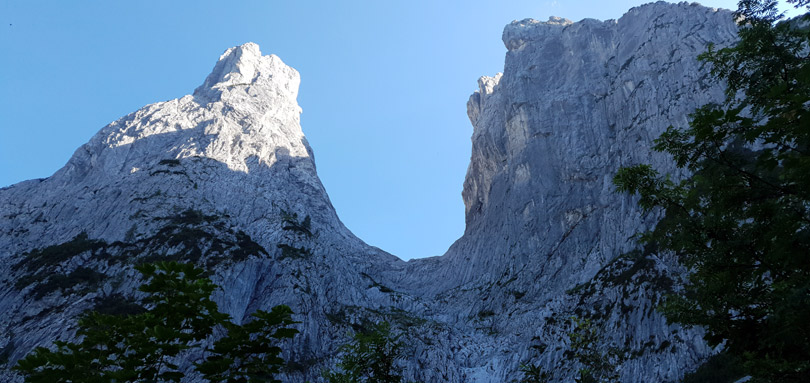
(213, 177)
(225, 178)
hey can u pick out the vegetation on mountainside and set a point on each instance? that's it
(41, 267)
(187, 236)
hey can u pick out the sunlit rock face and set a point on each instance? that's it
(225, 178)
(214, 177)
(243, 123)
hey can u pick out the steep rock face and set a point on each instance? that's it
(225, 178)
(575, 102)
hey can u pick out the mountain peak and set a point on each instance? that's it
(556, 20)
(244, 65)
(238, 65)
(244, 114)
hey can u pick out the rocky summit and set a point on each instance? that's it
(225, 178)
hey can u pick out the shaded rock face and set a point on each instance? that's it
(575, 102)
(226, 179)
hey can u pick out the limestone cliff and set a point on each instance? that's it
(225, 178)
(547, 236)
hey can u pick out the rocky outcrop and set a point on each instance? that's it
(224, 177)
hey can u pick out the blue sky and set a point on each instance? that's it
(384, 88)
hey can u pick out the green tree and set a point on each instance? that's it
(178, 316)
(250, 352)
(598, 364)
(370, 358)
(720, 368)
(740, 222)
(533, 373)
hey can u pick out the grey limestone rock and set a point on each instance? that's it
(225, 177)
(575, 102)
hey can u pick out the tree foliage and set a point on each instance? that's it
(250, 352)
(598, 364)
(740, 222)
(534, 373)
(178, 316)
(720, 368)
(370, 358)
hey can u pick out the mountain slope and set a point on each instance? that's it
(223, 177)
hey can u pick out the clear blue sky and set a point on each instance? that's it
(384, 88)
